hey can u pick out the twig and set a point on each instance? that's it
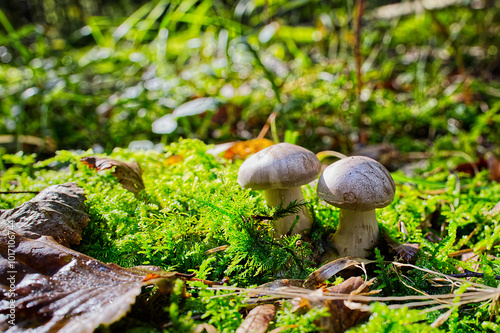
(359, 9)
(265, 128)
(468, 273)
(18, 192)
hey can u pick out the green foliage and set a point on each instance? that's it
(193, 204)
(223, 311)
(394, 320)
(299, 322)
(81, 76)
(104, 82)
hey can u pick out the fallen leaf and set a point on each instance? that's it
(57, 211)
(128, 174)
(241, 149)
(328, 270)
(174, 159)
(258, 319)
(341, 317)
(494, 166)
(281, 283)
(205, 328)
(406, 251)
(273, 286)
(472, 168)
(51, 288)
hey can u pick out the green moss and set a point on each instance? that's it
(192, 204)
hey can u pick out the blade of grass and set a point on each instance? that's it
(131, 21)
(150, 20)
(14, 38)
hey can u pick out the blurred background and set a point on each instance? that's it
(408, 76)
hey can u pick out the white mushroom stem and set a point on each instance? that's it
(283, 225)
(356, 233)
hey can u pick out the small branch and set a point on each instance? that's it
(468, 273)
(265, 128)
(359, 9)
(262, 217)
(18, 192)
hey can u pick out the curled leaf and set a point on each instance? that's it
(57, 211)
(406, 251)
(52, 288)
(128, 174)
(494, 166)
(342, 317)
(258, 319)
(328, 270)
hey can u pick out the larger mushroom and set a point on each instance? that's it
(281, 170)
(357, 185)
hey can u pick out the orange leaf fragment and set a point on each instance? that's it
(174, 159)
(241, 149)
(151, 276)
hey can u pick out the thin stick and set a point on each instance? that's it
(18, 192)
(265, 128)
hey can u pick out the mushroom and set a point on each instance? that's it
(280, 170)
(357, 185)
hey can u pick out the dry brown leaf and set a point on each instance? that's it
(258, 319)
(57, 211)
(281, 283)
(128, 174)
(341, 317)
(205, 328)
(272, 286)
(406, 251)
(472, 168)
(241, 149)
(494, 166)
(54, 289)
(328, 270)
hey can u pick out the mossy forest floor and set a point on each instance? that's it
(415, 87)
(192, 204)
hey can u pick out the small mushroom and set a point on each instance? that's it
(357, 185)
(280, 170)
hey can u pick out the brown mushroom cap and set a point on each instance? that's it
(356, 183)
(281, 166)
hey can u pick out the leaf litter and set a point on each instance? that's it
(47, 287)
(57, 211)
(129, 174)
(59, 289)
